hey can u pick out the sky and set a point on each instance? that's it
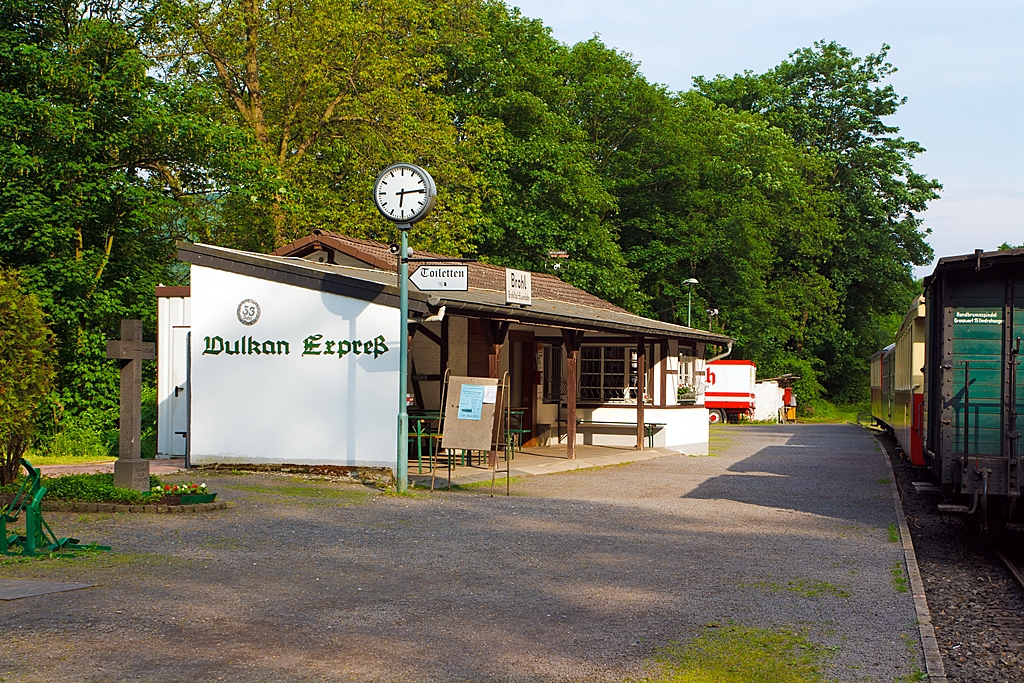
(960, 66)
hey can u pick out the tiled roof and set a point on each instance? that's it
(380, 285)
(481, 275)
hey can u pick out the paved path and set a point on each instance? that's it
(161, 466)
(575, 577)
(535, 461)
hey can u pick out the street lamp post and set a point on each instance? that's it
(689, 297)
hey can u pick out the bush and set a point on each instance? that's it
(26, 372)
(98, 488)
(79, 437)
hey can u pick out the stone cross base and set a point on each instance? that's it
(132, 473)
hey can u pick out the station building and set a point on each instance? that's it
(292, 358)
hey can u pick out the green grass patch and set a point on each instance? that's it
(899, 577)
(738, 654)
(90, 488)
(893, 533)
(477, 485)
(825, 412)
(354, 496)
(884, 481)
(54, 566)
(803, 587)
(65, 459)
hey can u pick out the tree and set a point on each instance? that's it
(97, 161)
(25, 370)
(512, 89)
(832, 102)
(325, 94)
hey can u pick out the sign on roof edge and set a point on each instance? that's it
(518, 287)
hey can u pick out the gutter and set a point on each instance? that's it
(721, 355)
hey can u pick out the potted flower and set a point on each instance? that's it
(185, 494)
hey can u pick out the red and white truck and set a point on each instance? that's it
(729, 391)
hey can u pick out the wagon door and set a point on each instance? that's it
(980, 346)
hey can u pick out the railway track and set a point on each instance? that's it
(976, 604)
(1015, 572)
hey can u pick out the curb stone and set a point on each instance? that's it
(56, 506)
(932, 657)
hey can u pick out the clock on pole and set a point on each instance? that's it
(404, 193)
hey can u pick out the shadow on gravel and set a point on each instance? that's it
(582, 577)
(828, 470)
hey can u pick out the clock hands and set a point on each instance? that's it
(401, 194)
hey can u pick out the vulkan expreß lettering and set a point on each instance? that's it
(316, 345)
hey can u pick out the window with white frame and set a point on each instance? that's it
(690, 377)
(605, 377)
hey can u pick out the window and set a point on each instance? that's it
(603, 373)
(691, 376)
(554, 385)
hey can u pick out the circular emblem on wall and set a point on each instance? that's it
(248, 312)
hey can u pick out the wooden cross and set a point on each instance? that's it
(131, 351)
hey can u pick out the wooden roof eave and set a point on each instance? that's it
(586, 321)
(369, 286)
(296, 274)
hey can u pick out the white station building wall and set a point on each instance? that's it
(285, 399)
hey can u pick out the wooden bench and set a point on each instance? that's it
(649, 427)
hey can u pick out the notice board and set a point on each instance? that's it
(469, 413)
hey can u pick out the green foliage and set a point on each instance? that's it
(97, 488)
(804, 587)
(833, 104)
(96, 162)
(320, 97)
(25, 370)
(899, 577)
(785, 194)
(739, 654)
(77, 438)
(516, 94)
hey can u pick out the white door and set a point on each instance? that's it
(179, 395)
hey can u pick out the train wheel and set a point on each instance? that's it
(716, 417)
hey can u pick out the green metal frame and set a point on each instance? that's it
(39, 537)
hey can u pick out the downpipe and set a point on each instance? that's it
(721, 355)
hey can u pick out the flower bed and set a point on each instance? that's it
(184, 494)
(99, 488)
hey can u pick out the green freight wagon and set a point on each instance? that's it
(973, 384)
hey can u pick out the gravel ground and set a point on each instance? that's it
(976, 608)
(576, 577)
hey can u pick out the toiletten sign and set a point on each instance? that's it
(441, 278)
(518, 287)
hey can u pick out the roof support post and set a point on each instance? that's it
(641, 386)
(444, 349)
(663, 362)
(494, 334)
(572, 340)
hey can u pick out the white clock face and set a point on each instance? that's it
(404, 193)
